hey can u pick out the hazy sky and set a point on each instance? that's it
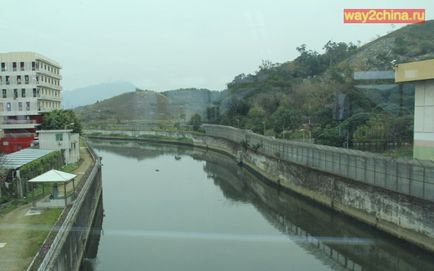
(169, 44)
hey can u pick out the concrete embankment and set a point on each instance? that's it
(389, 208)
(66, 250)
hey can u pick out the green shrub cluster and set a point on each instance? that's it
(50, 161)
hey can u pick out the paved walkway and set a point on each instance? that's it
(21, 235)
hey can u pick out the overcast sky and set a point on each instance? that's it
(169, 44)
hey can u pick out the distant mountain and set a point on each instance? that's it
(91, 94)
(193, 100)
(151, 106)
(140, 105)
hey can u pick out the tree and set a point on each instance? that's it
(196, 121)
(285, 119)
(61, 119)
(256, 119)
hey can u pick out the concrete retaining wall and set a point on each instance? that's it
(404, 216)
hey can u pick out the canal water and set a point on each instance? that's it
(178, 208)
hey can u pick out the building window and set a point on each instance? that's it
(7, 80)
(28, 106)
(23, 92)
(26, 78)
(8, 107)
(20, 106)
(19, 79)
(3, 66)
(22, 66)
(14, 66)
(4, 93)
(33, 66)
(34, 92)
(59, 137)
(15, 93)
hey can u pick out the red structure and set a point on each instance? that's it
(29, 88)
(13, 142)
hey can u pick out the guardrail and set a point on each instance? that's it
(406, 176)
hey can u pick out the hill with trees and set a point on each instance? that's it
(316, 96)
(303, 98)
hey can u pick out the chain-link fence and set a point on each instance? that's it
(410, 177)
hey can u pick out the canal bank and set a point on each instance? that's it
(64, 247)
(202, 211)
(406, 217)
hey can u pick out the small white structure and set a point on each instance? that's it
(64, 140)
(56, 177)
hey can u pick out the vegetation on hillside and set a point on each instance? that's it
(313, 97)
(300, 99)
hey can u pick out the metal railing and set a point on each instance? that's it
(406, 176)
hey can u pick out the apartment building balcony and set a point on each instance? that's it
(48, 73)
(49, 98)
(48, 85)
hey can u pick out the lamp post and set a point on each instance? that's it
(69, 124)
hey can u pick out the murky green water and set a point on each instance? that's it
(177, 208)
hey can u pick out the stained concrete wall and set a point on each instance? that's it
(403, 216)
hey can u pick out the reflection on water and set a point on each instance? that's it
(91, 252)
(177, 208)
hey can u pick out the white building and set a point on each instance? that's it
(29, 86)
(421, 73)
(63, 140)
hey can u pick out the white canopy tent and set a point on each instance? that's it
(56, 176)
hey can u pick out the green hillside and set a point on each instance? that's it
(299, 99)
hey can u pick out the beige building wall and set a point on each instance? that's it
(424, 120)
(64, 140)
(422, 74)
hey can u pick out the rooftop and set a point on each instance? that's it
(53, 176)
(26, 56)
(414, 71)
(20, 158)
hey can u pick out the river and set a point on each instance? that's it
(178, 208)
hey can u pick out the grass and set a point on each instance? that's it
(38, 228)
(72, 167)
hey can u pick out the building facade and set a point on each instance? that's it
(30, 86)
(421, 73)
(61, 140)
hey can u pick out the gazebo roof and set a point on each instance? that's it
(53, 176)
